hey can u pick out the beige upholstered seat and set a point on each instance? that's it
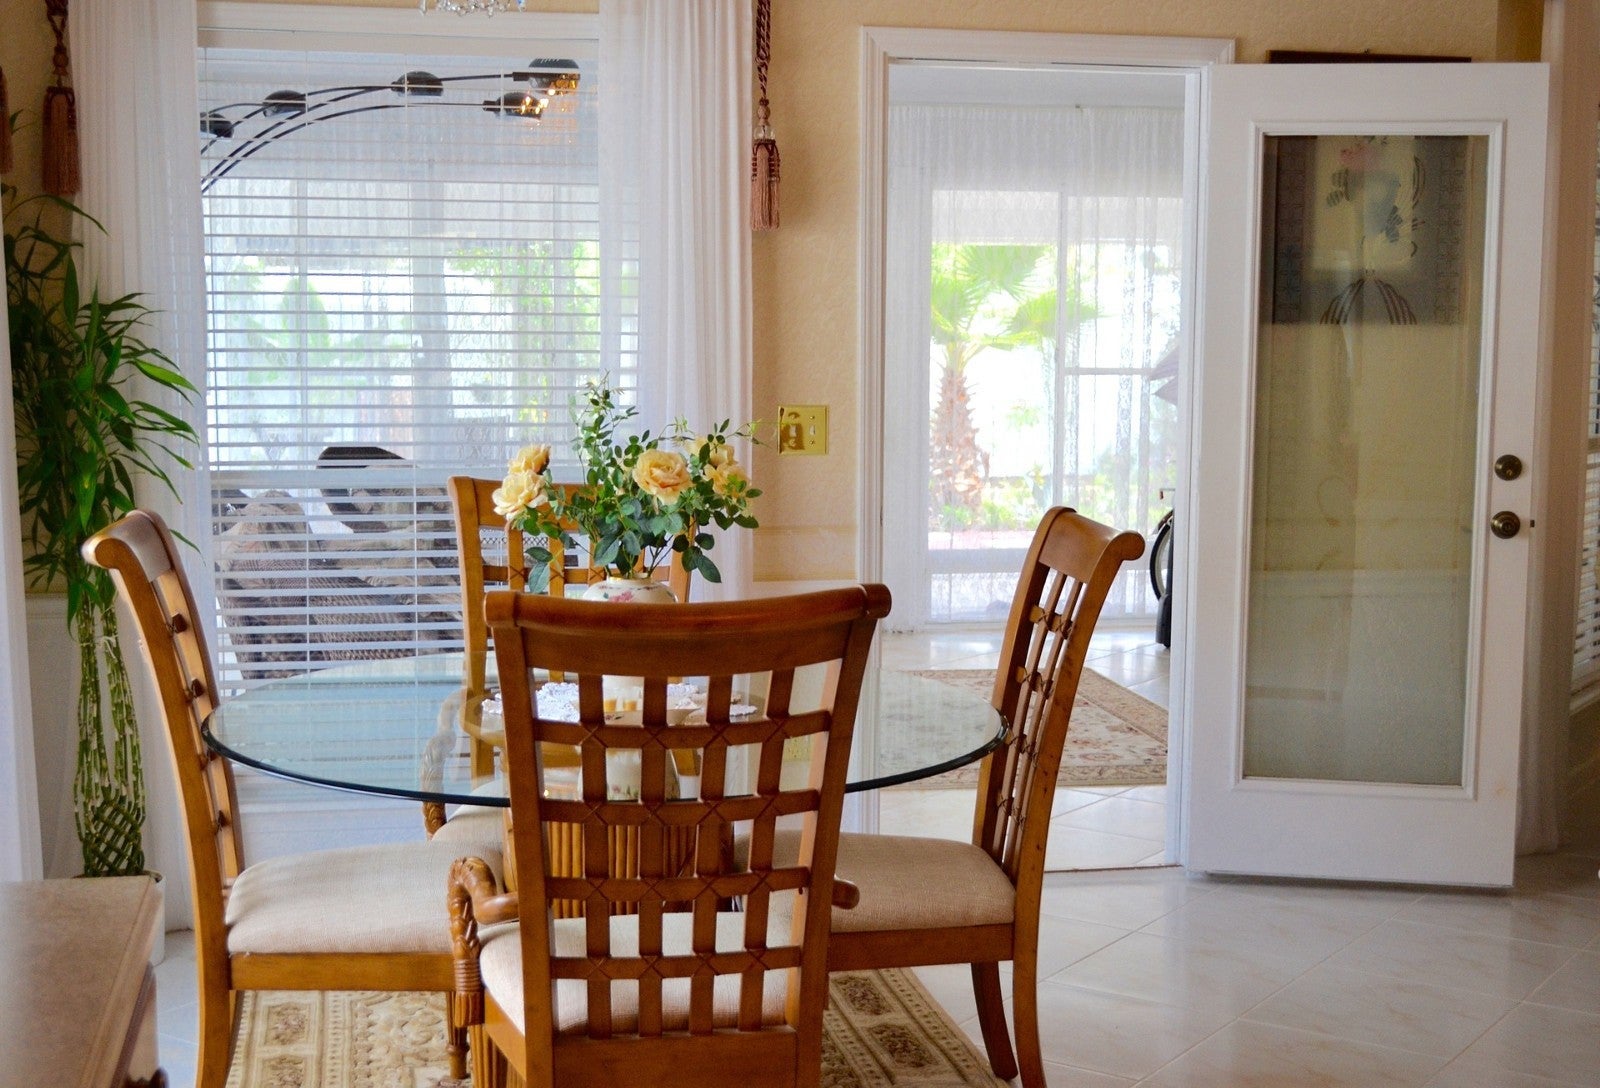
(929, 902)
(354, 919)
(368, 899)
(501, 964)
(658, 981)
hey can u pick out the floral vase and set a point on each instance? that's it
(640, 590)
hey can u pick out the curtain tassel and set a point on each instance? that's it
(60, 152)
(764, 152)
(7, 158)
(764, 177)
(59, 156)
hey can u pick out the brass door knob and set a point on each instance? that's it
(1508, 466)
(1505, 525)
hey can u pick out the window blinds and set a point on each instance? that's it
(1586, 648)
(400, 287)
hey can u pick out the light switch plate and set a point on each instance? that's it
(803, 428)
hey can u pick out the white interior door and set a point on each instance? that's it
(1369, 352)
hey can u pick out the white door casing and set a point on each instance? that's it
(1325, 827)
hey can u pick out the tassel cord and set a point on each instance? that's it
(764, 149)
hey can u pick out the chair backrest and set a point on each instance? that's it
(1070, 568)
(491, 556)
(472, 500)
(143, 561)
(658, 968)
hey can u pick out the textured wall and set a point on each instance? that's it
(805, 274)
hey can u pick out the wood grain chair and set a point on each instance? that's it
(635, 991)
(367, 918)
(932, 901)
(492, 555)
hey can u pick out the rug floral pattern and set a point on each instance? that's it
(1115, 738)
(881, 1030)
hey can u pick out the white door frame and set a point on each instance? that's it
(882, 47)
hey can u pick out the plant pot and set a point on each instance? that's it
(158, 951)
(637, 590)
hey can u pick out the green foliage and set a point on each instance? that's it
(83, 435)
(640, 498)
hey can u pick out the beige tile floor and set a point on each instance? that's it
(1097, 828)
(1155, 976)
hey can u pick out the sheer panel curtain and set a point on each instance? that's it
(134, 70)
(20, 857)
(674, 176)
(1033, 273)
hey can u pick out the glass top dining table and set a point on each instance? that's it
(391, 728)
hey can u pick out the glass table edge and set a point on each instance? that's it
(479, 800)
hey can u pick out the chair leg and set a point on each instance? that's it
(457, 1046)
(992, 1019)
(489, 1067)
(1025, 1014)
(480, 758)
(217, 1027)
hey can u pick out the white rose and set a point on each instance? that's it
(517, 492)
(662, 473)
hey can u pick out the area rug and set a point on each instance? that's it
(1115, 738)
(881, 1030)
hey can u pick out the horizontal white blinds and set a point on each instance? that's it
(400, 287)
(1586, 648)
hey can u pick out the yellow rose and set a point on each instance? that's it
(517, 492)
(718, 455)
(728, 480)
(531, 459)
(662, 473)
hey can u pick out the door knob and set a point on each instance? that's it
(1505, 525)
(1508, 466)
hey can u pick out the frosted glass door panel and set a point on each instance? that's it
(1365, 455)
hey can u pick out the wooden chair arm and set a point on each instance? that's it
(845, 894)
(474, 899)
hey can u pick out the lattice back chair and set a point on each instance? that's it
(658, 981)
(367, 918)
(930, 901)
(491, 555)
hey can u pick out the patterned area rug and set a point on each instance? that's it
(1116, 738)
(881, 1030)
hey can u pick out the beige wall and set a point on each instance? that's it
(805, 273)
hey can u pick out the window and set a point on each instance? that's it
(403, 283)
(1034, 266)
(1586, 650)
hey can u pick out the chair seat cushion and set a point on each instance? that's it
(916, 883)
(501, 966)
(387, 898)
(473, 823)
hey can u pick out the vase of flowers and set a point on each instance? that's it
(643, 498)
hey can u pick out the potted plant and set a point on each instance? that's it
(642, 496)
(83, 435)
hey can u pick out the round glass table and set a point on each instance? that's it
(391, 728)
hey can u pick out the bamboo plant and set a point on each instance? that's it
(83, 435)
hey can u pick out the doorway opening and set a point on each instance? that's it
(1038, 223)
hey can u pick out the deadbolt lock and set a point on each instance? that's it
(1508, 466)
(1505, 525)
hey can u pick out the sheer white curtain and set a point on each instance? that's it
(20, 857)
(1062, 400)
(134, 70)
(674, 167)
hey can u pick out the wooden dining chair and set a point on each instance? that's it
(365, 918)
(931, 901)
(492, 555)
(657, 981)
